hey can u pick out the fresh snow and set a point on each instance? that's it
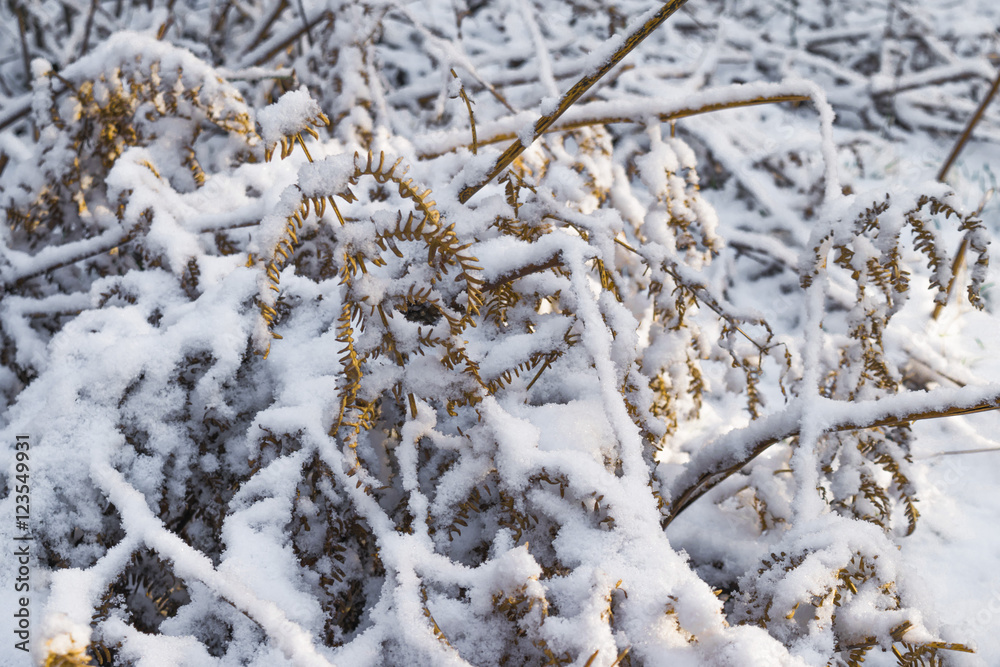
(411, 476)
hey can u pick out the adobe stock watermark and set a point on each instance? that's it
(988, 615)
(21, 551)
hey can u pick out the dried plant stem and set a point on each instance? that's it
(980, 450)
(550, 263)
(575, 93)
(472, 118)
(705, 299)
(589, 120)
(220, 23)
(87, 254)
(22, 29)
(945, 168)
(967, 132)
(621, 656)
(286, 42)
(87, 28)
(680, 113)
(548, 362)
(305, 22)
(15, 112)
(265, 26)
(788, 428)
(108, 246)
(507, 80)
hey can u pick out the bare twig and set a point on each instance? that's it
(288, 40)
(22, 29)
(87, 28)
(575, 93)
(981, 450)
(265, 26)
(962, 140)
(472, 118)
(220, 23)
(305, 22)
(548, 362)
(89, 250)
(595, 113)
(165, 26)
(621, 656)
(967, 133)
(550, 263)
(16, 112)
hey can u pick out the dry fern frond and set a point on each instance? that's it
(96, 118)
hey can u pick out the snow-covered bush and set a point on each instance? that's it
(314, 374)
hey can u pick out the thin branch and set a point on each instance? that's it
(575, 93)
(220, 23)
(685, 113)
(550, 263)
(468, 106)
(434, 36)
(305, 23)
(87, 28)
(548, 362)
(22, 29)
(165, 26)
(730, 453)
(89, 250)
(967, 133)
(595, 113)
(962, 140)
(964, 451)
(256, 74)
(265, 26)
(287, 41)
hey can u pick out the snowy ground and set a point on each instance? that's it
(955, 551)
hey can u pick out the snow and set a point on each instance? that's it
(663, 386)
(288, 116)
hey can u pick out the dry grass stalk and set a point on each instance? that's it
(575, 93)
